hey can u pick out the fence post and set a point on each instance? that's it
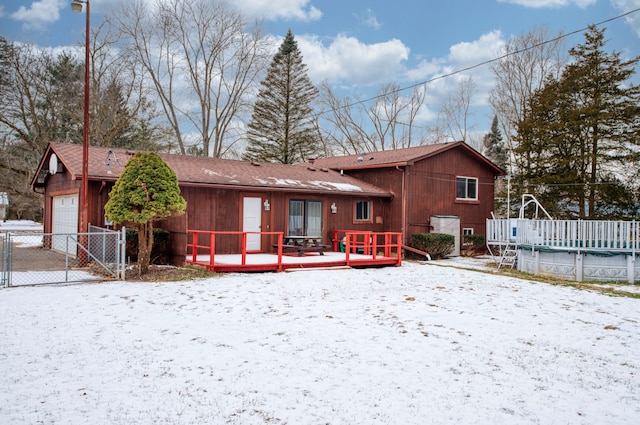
(9, 260)
(66, 256)
(6, 261)
(123, 253)
(244, 248)
(280, 241)
(212, 249)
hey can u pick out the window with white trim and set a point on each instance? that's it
(467, 231)
(467, 188)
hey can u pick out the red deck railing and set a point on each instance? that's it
(370, 243)
(210, 249)
(381, 248)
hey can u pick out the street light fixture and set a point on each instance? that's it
(77, 7)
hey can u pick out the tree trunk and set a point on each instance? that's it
(145, 243)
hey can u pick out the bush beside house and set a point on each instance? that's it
(438, 245)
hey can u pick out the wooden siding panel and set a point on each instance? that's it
(431, 190)
(214, 209)
(389, 179)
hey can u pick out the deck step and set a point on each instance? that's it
(310, 269)
(509, 256)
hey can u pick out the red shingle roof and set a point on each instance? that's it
(397, 157)
(193, 170)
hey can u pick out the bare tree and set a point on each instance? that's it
(201, 62)
(121, 114)
(40, 104)
(454, 115)
(393, 116)
(389, 123)
(29, 118)
(527, 60)
(24, 88)
(344, 133)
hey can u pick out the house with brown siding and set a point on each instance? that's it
(443, 188)
(221, 195)
(410, 190)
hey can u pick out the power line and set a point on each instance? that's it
(468, 68)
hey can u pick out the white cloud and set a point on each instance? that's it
(424, 69)
(461, 56)
(550, 3)
(279, 9)
(470, 53)
(444, 76)
(350, 61)
(633, 20)
(347, 61)
(39, 14)
(369, 19)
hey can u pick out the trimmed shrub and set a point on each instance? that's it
(438, 245)
(473, 244)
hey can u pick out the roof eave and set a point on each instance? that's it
(34, 180)
(369, 167)
(289, 189)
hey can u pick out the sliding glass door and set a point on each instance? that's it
(305, 217)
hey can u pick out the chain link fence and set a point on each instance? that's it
(36, 258)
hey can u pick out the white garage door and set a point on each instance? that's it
(65, 221)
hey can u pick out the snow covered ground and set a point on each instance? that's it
(419, 344)
(20, 225)
(23, 231)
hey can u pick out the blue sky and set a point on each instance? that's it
(357, 45)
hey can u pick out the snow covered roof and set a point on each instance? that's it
(107, 164)
(398, 157)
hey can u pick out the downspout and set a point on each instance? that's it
(404, 205)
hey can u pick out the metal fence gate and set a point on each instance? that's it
(36, 258)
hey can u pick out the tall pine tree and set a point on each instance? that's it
(494, 147)
(281, 127)
(579, 139)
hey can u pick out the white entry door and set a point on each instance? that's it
(65, 221)
(252, 221)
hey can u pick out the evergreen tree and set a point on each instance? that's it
(495, 150)
(281, 127)
(494, 147)
(147, 191)
(61, 111)
(580, 135)
(5, 63)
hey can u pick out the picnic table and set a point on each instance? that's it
(303, 244)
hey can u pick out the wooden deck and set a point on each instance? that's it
(270, 262)
(363, 250)
(580, 250)
(567, 235)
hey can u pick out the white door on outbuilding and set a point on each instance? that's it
(65, 222)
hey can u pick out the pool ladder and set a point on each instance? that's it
(509, 256)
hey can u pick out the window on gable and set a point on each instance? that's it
(467, 188)
(362, 211)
